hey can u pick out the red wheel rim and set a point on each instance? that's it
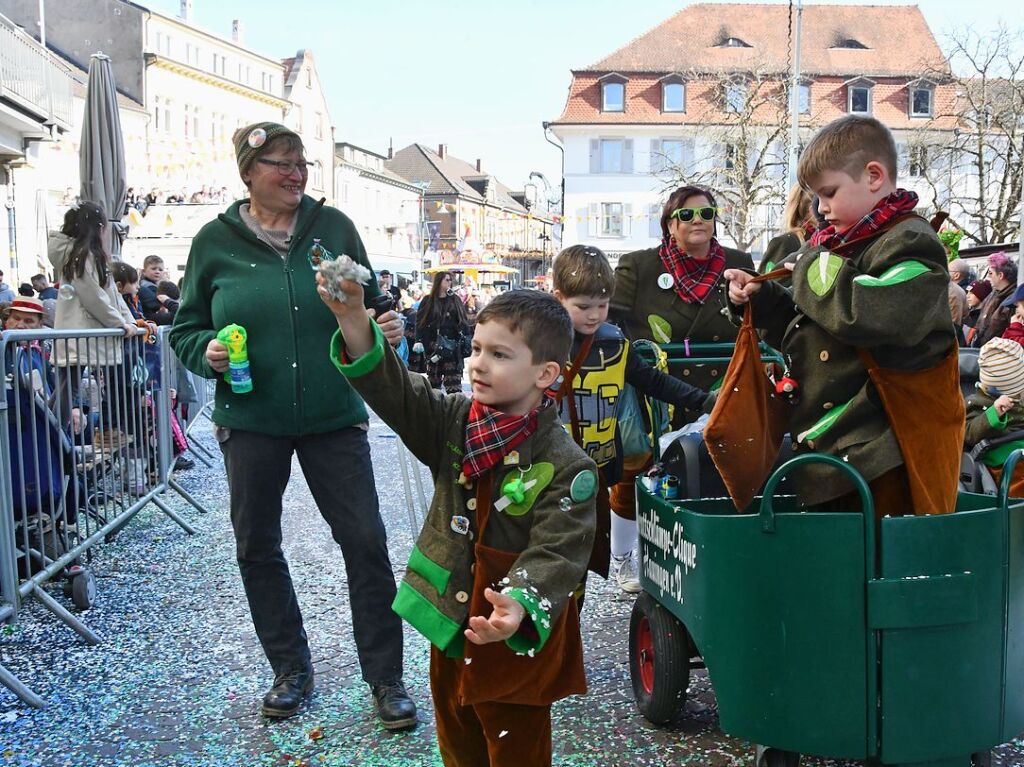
(645, 654)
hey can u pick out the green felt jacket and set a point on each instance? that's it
(552, 529)
(233, 277)
(887, 296)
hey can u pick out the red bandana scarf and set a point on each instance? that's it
(895, 205)
(491, 435)
(692, 278)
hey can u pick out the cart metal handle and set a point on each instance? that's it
(767, 512)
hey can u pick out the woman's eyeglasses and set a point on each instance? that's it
(286, 167)
(686, 214)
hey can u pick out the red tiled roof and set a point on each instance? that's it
(897, 41)
(900, 49)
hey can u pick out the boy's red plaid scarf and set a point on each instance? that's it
(491, 435)
(895, 205)
(692, 278)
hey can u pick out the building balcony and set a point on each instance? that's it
(31, 81)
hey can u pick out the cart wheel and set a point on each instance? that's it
(775, 757)
(981, 759)
(83, 589)
(659, 660)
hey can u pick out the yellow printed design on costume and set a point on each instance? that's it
(597, 389)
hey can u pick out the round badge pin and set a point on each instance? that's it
(665, 281)
(257, 138)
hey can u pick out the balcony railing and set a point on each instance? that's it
(30, 78)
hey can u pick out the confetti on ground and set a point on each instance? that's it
(179, 677)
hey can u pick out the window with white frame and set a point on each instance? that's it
(611, 219)
(188, 120)
(735, 96)
(611, 155)
(859, 100)
(167, 115)
(672, 152)
(921, 101)
(156, 113)
(318, 128)
(613, 97)
(673, 97)
(804, 98)
(318, 175)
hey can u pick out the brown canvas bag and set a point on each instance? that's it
(749, 420)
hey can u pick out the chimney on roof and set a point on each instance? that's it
(479, 168)
(186, 11)
(237, 31)
(391, 148)
(442, 151)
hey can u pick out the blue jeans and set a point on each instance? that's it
(340, 476)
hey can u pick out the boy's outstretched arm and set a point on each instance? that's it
(661, 386)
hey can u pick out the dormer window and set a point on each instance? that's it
(734, 42)
(849, 43)
(673, 94)
(858, 96)
(613, 93)
(921, 98)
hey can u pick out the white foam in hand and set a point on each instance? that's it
(342, 268)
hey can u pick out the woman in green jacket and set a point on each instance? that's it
(255, 266)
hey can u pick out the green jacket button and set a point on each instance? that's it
(828, 405)
(462, 597)
(823, 356)
(471, 504)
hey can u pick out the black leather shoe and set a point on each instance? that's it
(181, 463)
(394, 706)
(290, 689)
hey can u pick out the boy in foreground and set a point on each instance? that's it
(510, 528)
(868, 297)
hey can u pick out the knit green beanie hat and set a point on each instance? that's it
(251, 141)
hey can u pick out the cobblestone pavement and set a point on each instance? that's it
(179, 675)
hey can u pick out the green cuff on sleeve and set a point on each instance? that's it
(541, 617)
(363, 365)
(995, 420)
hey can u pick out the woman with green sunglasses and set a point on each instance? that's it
(674, 293)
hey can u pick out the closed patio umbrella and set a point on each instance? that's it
(102, 148)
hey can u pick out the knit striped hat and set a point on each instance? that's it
(1001, 367)
(252, 140)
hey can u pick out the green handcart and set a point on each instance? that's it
(818, 641)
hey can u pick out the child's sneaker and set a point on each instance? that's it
(627, 572)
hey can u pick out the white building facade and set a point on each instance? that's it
(385, 208)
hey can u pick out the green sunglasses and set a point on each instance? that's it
(686, 214)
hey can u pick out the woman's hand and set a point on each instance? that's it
(217, 356)
(740, 286)
(505, 619)
(1003, 405)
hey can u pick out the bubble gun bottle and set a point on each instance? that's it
(233, 337)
